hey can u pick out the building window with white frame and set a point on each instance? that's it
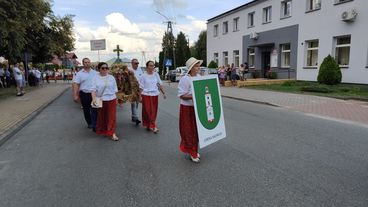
(236, 58)
(251, 19)
(215, 58)
(342, 50)
(215, 30)
(286, 8)
(285, 56)
(267, 14)
(312, 53)
(225, 58)
(225, 27)
(236, 24)
(313, 5)
(251, 57)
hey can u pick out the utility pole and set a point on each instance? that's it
(169, 30)
(144, 57)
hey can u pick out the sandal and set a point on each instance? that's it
(114, 137)
(155, 130)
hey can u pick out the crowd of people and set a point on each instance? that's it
(232, 73)
(101, 91)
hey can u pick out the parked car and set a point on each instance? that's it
(171, 75)
(180, 72)
(207, 71)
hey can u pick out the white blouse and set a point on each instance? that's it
(149, 84)
(185, 88)
(105, 87)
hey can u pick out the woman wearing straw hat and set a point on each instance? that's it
(187, 120)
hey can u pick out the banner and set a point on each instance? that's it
(208, 108)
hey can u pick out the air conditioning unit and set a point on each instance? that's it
(349, 16)
(253, 35)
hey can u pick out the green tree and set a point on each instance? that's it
(329, 72)
(201, 47)
(212, 64)
(168, 43)
(182, 51)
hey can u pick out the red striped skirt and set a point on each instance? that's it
(188, 130)
(149, 111)
(106, 118)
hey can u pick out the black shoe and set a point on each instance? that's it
(137, 122)
(89, 126)
(94, 129)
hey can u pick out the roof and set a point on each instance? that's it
(249, 4)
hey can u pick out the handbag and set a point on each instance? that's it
(98, 101)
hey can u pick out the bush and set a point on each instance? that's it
(256, 74)
(317, 89)
(329, 72)
(271, 75)
(212, 64)
(289, 83)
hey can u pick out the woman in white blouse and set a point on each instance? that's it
(187, 118)
(150, 86)
(104, 87)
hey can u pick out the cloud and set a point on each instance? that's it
(119, 24)
(189, 17)
(84, 34)
(162, 5)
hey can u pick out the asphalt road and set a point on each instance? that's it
(271, 157)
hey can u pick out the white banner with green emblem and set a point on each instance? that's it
(208, 109)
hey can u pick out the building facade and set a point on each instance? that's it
(292, 37)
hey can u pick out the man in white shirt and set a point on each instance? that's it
(18, 77)
(83, 87)
(138, 72)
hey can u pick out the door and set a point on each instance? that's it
(266, 62)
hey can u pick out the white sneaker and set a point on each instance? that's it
(196, 160)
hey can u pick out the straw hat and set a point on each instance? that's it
(191, 62)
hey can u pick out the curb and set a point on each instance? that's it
(18, 126)
(252, 101)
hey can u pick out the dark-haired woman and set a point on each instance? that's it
(150, 85)
(105, 88)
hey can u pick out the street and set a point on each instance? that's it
(271, 157)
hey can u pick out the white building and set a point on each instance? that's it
(292, 37)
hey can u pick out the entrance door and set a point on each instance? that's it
(266, 61)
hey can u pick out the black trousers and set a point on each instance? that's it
(90, 114)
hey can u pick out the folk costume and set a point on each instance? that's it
(149, 85)
(105, 88)
(187, 120)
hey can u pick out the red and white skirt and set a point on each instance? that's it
(149, 111)
(106, 118)
(188, 130)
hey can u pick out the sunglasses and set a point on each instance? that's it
(104, 68)
(136, 63)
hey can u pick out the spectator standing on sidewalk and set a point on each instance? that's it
(234, 75)
(105, 87)
(8, 78)
(222, 75)
(150, 86)
(138, 73)
(17, 73)
(2, 76)
(187, 119)
(83, 86)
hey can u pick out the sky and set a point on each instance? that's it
(135, 25)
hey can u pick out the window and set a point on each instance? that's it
(215, 57)
(236, 24)
(215, 30)
(251, 57)
(236, 58)
(313, 5)
(251, 19)
(342, 50)
(341, 1)
(225, 27)
(226, 58)
(285, 55)
(312, 53)
(267, 12)
(285, 8)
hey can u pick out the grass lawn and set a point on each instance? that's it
(341, 91)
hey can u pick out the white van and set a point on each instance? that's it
(180, 72)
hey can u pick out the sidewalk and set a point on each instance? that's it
(330, 108)
(16, 112)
